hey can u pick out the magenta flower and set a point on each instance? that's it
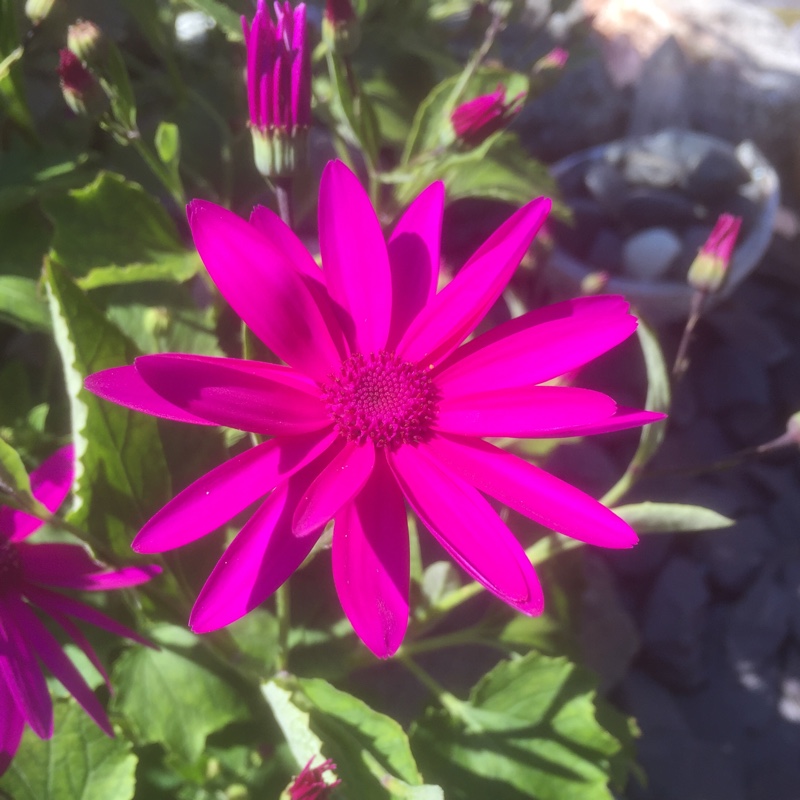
(278, 86)
(476, 120)
(28, 575)
(709, 268)
(310, 784)
(378, 406)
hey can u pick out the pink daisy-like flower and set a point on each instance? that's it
(378, 406)
(29, 574)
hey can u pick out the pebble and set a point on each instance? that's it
(648, 255)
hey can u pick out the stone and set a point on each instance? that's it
(648, 255)
(728, 376)
(789, 702)
(606, 251)
(716, 177)
(759, 624)
(737, 323)
(743, 64)
(646, 207)
(674, 628)
(606, 186)
(734, 555)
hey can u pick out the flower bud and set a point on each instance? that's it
(310, 784)
(37, 10)
(341, 28)
(81, 90)
(86, 41)
(708, 270)
(476, 120)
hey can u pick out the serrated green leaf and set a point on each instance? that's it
(649, 517)
(21, 304)
(228, 20)
(432, 128)
(172, 268)
(122, 477)
(168, 698)
(294, 722)
(80, 761)
(111, 222)
(553, 747)
(349, 728)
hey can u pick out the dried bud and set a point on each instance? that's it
(86, 40)
(476, 120)
(37, 10)
(708, 270)
(341, 28)
(81, 91)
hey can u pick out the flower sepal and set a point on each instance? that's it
(279, 153)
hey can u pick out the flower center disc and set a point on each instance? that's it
(378, 396)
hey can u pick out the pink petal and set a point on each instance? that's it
(284, 238)
(11, 728)
(467, 527)
(371, 562)
(339, 481)
(453, 313)
(524, 411)
(354, 258)
(414, 249)
(525, 351)
(54, 604)
(21, 673)
(72, 567)
(225, 491)
(50, 484)
(264, 288)
(53, 657)
(624, 418)
(126, 387)
(532, 492)
(248, 395)
(261, 558)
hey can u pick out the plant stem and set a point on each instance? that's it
(283, 194)
(448, 701)
(681, 359)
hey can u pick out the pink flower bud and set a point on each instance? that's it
(309, 784)
(476, 120)
(708, 270)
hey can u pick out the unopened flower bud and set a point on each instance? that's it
(81, 90)
(595, 283)
(86, 40)
(554, 60)
(708, 270)
(341, 28)
(37, 10)
(476, 120)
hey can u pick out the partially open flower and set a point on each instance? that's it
(87, 42)
(708, 270)
(278, 87)
(476, 120)
(310, 783)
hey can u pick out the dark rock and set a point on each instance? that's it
(652, 704)
(675, 622)
(759, 624)
(588, 220)
(733, 555)
(643, 208)
(791, 579)
(749, 424)
(716, 177)
(647, 166)
(775, 780)
(784, 520)
(738, 324)
(728, 376)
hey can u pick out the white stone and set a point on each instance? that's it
(649, 254)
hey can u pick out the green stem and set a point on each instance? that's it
(157, 168)
(283, 194)
(283, 612)
(681, 359)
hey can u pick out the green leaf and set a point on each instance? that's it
(12, 93)
(117, 85)
(172, 269)
(168, 143)
(80, 761)
(227, 19)
(122, 477)
(27, 174)
(25, 234)
(550, 737)
(651, 517)
(371, 750)
(21, 304)
(113, 222)
(14, 478)
(432, 128)
(169, 698)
